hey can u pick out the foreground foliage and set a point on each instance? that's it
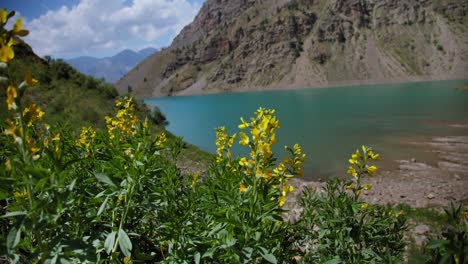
(115, 195)
(342, 229)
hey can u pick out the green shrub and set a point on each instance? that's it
(335, 227)
(452, 245)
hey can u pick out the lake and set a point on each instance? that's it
(330, 123)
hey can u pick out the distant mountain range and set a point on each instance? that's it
(111, 68)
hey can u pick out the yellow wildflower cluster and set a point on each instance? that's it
(20, 195)
(125, 121)
(13, 131)
(260, 162)
(395, 214)
(33, 150)
(161, 140)
(195, 179)
(359, 167)
(262, 129)
(87, 136)
(7, 40)
(223, 143)
(32, 114)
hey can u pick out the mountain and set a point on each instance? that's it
(111, 68)
(235, 45)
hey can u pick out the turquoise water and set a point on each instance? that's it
(331, 123)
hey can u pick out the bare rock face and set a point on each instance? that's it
(233, 44)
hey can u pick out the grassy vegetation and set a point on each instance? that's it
(117, 195)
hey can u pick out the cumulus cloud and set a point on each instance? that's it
(94, 26)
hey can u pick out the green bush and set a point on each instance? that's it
(335, 227)
(452, 245)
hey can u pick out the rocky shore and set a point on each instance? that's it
(420, 183)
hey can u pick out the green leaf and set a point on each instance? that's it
(110, 241)
(104, 179)
(72, 185)
(12, 214)
(270, 258)
(13, 237)
(103, 206)
(197, 258)
(209, 253)
(436, 243)
(267, 255)
(336, 260)
(125, 243)
(40, 184)
(64, 261)
(38, 172)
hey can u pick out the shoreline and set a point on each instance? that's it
(418, 183)
(333, 84)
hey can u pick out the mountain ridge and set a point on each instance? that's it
(111, 68)
(240, 45)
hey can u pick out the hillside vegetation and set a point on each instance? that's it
(235, 45)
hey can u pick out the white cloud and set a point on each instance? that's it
(95, 26)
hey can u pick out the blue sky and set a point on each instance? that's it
(100, 28)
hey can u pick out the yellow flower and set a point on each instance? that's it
(352, 171)
(365, 206)
(273, 139)
(400, 213)
(244, 124)
(195, 179)
(372, 155)
(19, 195)
(371, 170)
(161, 139)
(274, 123)
(267, 175)
(281, 201)
(18, 29)
(358, 192)
(243, 161)
(57, 137)
(6, 54)
(29, 80)
(8, 165)
(244, 139)
(367, 187)
(349, 187)
(11, 95)
(242, 188)
(35, 114)
(3, 16)
(287, 189)
(126, 260)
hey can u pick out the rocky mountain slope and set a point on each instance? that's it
(235, 45)
(111, 68)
